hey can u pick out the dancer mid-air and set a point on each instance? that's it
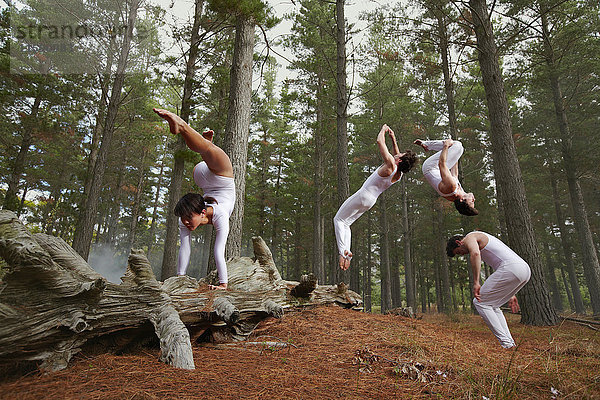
(394, 165)
(441, 171)
(510, 274)
(215, 176)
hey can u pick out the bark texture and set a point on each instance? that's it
(237, 129)
(342, 115)
(52, 303)
(566, 246)
(11, 201)
(591, 265)
(169, 262)
(536, 307)
(318, 236)
(84, 232)
(411, 296)
(384, 254)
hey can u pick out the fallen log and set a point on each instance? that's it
(52, 302)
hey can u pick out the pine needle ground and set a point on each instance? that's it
(333, 353)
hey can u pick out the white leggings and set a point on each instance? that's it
(354, 206)
(431, 168)
(498, 288)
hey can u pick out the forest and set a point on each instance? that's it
(83, 157)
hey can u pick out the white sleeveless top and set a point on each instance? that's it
(376, 184)
(434, 178)
(495, 253)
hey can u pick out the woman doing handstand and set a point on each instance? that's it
(215, 176)
(394, 165)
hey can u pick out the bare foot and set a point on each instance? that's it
(176, 124)
(342, 262)
(345, 260)
(222, 286)
(208, 135)
(419, 142)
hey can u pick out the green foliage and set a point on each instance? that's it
(259, 10)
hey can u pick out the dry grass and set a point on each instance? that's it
(339, 353)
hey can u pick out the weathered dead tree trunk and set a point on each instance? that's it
(52, 303)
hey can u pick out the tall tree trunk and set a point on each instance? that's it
(409, 273)
(169, 262)
(395, 279)
(318, 244)
(135, 208)
(566, 245)
(424, 289)
(567, 289)
(444, 51)
(114, 211)
(384, 256)
(155, 204)
(296, 272)
(85, 226)
(334, 268)
(341, 112)
(264, 173)
(444, 272)
(437, 262)
(556, 298)
(367, 271)
(11, 201)
(536, 307)
(355, 270)
(275, 234)
(591, 265)
(100, 118)
(237, 129)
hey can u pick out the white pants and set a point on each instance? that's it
(500, 286)
(354, 206)
(431, 168)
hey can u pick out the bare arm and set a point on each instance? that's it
(454, 170)
(395, 149)
(448, 182)
(475, 260)
(388, 158)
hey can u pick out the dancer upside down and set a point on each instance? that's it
(441, 171)
(510, 274)
(215, 176)
(394, 165)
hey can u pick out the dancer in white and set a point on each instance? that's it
(394, 165)
(441, 171)
(510, 274)
(215, 176)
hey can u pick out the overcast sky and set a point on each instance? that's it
(181, 10)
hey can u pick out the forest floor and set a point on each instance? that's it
(335, 353)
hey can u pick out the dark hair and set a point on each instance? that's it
(189, 204)
(407, 161)
(464, 208)
(451, 245)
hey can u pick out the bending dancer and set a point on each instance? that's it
(394, 165)
(215, 176)
(510, 274)
(441, 171)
